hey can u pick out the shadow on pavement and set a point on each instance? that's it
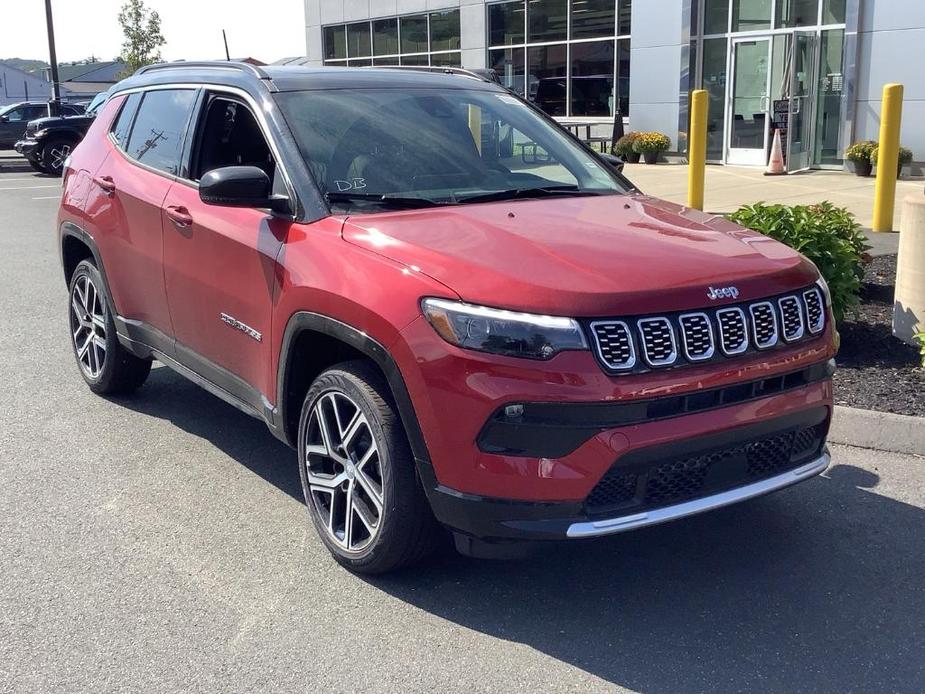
(820, 587)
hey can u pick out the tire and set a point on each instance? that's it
(339, 467)
(106, 366)
(37, 165)
(55, 151)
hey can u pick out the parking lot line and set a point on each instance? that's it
(47, 197)
(29, 187)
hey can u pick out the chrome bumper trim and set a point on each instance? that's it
(708, 503)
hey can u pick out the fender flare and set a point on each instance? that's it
(363, 343)
(69, 229)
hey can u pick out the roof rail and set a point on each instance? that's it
(436, 68)
(211, 64)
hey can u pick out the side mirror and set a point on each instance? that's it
(241, 186)
(4, 119)
(613, 161)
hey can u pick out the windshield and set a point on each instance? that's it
(374, 147)
(98, 101)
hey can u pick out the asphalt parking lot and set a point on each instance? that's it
(159, 543)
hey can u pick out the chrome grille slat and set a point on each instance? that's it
(733, 330)
(764, 324)
(659, 347)
(638, 343)
(791, 316)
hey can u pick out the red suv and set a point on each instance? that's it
(459, 315)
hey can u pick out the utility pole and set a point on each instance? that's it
(55, 103)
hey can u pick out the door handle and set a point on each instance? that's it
(106, 183)
(180, 216)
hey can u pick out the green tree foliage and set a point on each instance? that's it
(143, 38)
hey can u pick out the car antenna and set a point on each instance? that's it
(225, 39)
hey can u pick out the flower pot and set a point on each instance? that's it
(651, 157)
(633, 157)
(862, 167)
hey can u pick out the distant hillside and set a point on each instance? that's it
(25, 65)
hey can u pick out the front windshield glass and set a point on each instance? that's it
(98, 101)
(374, 147)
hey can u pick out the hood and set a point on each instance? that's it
(49, 121)
(583, 256)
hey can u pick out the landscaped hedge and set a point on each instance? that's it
(827, 235)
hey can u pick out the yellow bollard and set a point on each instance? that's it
(888, 157)
(697, 149)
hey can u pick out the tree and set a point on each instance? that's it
(143, 38)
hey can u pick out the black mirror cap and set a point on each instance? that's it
(614, 161)
(240, 186)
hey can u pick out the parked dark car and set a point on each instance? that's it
(13, 118)
(48, 141)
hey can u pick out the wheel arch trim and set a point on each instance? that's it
(72, 230)
(303, 321)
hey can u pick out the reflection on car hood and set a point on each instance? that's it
(583, 256)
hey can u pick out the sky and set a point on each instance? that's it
(266, 29)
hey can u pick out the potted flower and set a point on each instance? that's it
(650, 145)
(905, 157)
(859, 154)
(624, 148)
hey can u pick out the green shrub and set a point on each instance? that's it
(860, 151)
(651, 142)
(624, 146)
(827, 235)
(921, 338)
(905, 156)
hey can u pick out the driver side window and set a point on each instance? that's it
(231, 136)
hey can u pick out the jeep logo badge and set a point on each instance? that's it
(714, 293)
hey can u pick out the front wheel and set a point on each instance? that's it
(358, 474)
(54, 154)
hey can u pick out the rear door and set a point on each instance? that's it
(220, 262)
(129, 189)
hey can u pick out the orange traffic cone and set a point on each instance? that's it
(776, 162)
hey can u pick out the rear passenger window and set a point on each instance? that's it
(156, 138)
(123, 124)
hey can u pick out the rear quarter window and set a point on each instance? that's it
(156, 138)
(123, 123)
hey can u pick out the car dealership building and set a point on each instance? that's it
(812, 68)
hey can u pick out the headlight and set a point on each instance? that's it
(39, 134)
(503, 332)
(824, 286)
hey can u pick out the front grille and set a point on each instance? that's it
(714, 333)
(615, 345)
(658, 342)
(633, 487)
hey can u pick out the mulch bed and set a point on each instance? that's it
(875, 370)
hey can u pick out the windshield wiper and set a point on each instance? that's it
(389, 200)
(540, 192)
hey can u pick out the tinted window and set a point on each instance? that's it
(593, 18)
(123, 124)
(444, 30)
(231, 137)
(358, 44)
(385, 36)
(157, 136)
(547, 20)
(414, 34)
(506, 23)
(335, 42)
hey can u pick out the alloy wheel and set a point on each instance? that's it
(59, 154)
(88, 326)
(344, 471)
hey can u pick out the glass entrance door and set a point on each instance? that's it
(749, 102)
(802, 88)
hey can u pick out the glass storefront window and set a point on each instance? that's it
(716, 16)
(592, 79)
(446, 59)
(508, 64)
(833, 11)
(546, 78)
(547, 20)
(797, 13)
(415, 60)
(506, 23)
(444, 30)
(593, 18)
(830, 86)
(385, 36)
(358, 42)
(714, 81)
(624, 18)
(751, 15)
(414, 34)
(623, 76)
(335, 42)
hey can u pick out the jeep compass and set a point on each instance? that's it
(460, 316)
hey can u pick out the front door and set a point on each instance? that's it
(749, 102)
(802, 83)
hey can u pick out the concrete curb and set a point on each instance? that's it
(882, 431)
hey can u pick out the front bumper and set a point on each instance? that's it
(27, 148)
(667, 481)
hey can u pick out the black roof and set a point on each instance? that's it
(283, 78)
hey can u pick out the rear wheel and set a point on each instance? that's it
(106, 366)
(358, 473)
(55, 153)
